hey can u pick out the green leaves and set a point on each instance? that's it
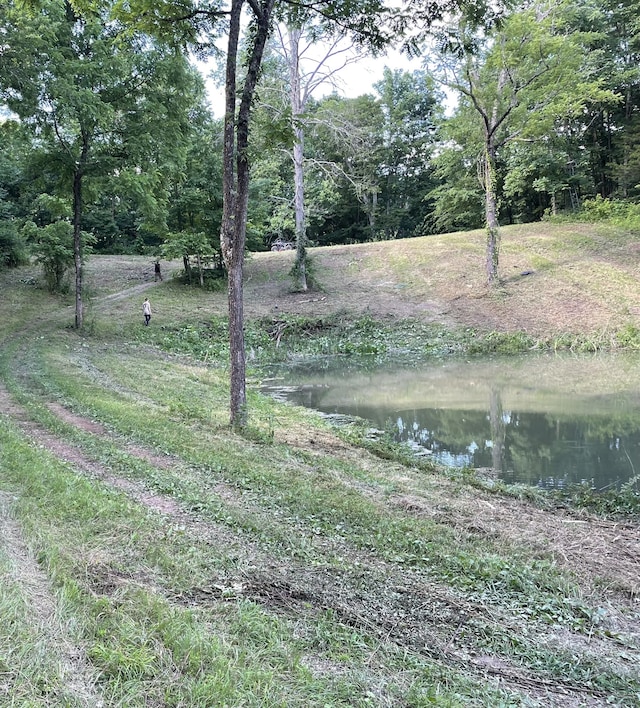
(53, 246)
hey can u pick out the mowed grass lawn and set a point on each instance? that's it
(151, 556)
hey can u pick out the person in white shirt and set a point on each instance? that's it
(146, 310)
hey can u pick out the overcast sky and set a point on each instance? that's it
(354, 80)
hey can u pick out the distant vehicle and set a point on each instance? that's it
(281, 245)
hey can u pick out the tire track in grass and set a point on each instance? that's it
(596, 551)
(408, 612)
(76, 677)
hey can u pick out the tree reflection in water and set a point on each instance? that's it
(539, 421)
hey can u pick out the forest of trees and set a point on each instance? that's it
(129, 119)
(107, 141)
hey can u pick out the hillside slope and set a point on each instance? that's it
(150, 555)
(555, 279)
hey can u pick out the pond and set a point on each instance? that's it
(545, 420)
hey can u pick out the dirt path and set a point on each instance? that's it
(126, 294)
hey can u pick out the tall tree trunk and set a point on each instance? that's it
(498, 430)
(298, 157)
(491, 215)
(626, 145)
(301, 231)
(229, 237)
(235, 189)
(78, 255)
(372, 214)
(199, 262)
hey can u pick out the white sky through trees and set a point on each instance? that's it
(354, 80)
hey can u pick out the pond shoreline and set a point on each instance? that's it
(547, 421)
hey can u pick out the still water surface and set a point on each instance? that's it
(545, 420)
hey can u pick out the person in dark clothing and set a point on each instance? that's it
(157, 269)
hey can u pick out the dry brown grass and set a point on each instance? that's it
(555, 279)
(580, 279)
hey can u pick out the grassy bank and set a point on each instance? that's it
(152, 557)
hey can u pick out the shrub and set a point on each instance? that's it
(53, 247)
(617, 212)
(629, 337)
(13, 250)
(502, 343)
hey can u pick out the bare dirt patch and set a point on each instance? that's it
(9, 408)
(88, 426)
(268, 289)
(75, 457)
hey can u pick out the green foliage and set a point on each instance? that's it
(614, 503)
(344, 146)
(457, 199)
(309, 269)
(13, 249)
(629, 337)
(371, 160)
(475, 342)
(15, 184)
(624, 214)
(111, 116)
(501, 343)
(202, 342)
(47, 208)
(53, 249)
(502, 71)
(293, 335)
(270, 202)
(196, 197)
(412, 109)
(211, 279)
(202, 260)
(544, 178)
(187, 243)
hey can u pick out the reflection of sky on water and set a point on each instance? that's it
(557, 437)
(533, 448)
(448, 460)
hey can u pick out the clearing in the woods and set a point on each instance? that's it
(150, 556)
